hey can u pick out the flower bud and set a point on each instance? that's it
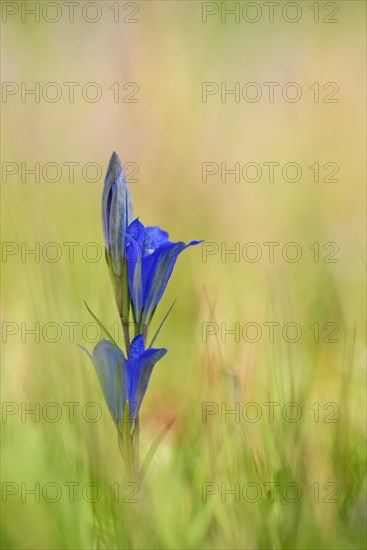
(117, 213)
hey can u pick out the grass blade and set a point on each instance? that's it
(153, 449)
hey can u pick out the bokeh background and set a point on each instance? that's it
(166, 135)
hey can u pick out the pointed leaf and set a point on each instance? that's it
(162, 323)
(101, 326)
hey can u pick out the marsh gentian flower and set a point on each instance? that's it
(125, 379)
(117, 212)
(140, 261)
(151, 258)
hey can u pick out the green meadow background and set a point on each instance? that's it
(315, 465)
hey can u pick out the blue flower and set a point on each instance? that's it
(117, 213)
(125, 379)
(150, 258)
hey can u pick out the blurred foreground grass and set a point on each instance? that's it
(297, 484)
(306, 477)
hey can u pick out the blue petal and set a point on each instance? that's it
(138, 372)
(193, 243)
(109, 362)
(136, 232)
(137, 347)
(154, 238)
(157, 269)
(134, 239)
(134, 272)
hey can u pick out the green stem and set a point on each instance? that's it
(135, 443)
(129, 448)
(125, 328)
(126, 444)
(140, 328)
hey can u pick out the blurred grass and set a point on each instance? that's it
(169, 133)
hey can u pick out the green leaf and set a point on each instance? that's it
(125, 442)
(102, 327)
(162, 323)
(153, 449)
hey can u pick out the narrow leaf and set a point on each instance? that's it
(162, 323)
(102, 327)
